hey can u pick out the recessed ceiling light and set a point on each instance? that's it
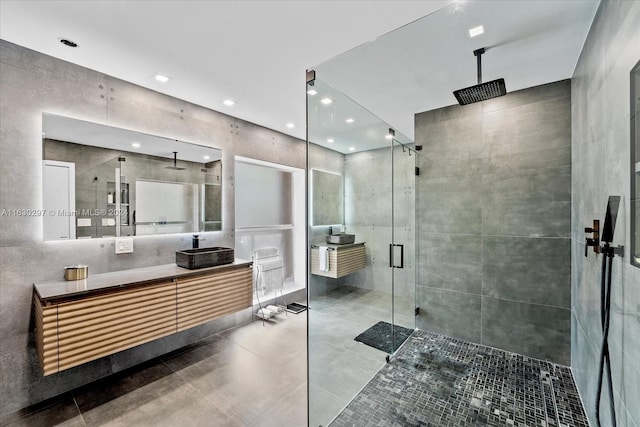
(352, 148)
(312, 92)
(326, 101)
(476, 31)
(161, 78)
(388, 136)
(290, 125)
(135, 144)
(349, 120)
(228, 102)
(206, 157)
(330, 140)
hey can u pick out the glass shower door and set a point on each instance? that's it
(352, 305)
(403, 174)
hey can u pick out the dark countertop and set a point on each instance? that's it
(52, 290)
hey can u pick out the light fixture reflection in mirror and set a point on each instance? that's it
(102, 181)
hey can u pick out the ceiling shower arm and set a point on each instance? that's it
(478, 54)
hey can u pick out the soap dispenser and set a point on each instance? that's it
(195, 241)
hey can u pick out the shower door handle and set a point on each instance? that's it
(392, 255)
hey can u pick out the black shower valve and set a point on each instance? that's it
(591, 242)
(594, 240)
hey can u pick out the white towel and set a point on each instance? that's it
(323, 253)
(265, 253)
(269, 264)
(264, 313)
(270, 275)
(275, 309)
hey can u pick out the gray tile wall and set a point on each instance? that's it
(601, 149)
(493, 221)
(32, 83)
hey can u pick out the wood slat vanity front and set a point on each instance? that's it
(343, 259)
(84, 320)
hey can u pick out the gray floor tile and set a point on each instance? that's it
(153, 396)
(252, 375)
(191, 354)
(282, 346)
(323, 406)
(242, 382)
(59, 411)
(289, 410)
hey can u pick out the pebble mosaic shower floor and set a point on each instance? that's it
(440, 381)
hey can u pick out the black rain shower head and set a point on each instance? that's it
(481, 91)
(175, 167)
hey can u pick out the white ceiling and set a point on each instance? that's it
(256, 52)
(416, 68)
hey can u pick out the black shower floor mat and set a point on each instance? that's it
(380, 335)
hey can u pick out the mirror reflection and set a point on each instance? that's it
(102, 181)
(327, 198)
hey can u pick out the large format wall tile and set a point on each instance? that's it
(494, 211)
(451, 147)
(532, 95)
(451, 313)
(450, 205)
(527, 270)
(536, 330)
(451, 261)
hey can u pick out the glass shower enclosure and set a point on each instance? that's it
(361, 295)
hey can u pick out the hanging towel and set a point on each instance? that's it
(323, 253)
(270, 274)
(270, 264)
(265, 253)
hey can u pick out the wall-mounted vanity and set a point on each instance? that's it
(102, 181)
(83, 320)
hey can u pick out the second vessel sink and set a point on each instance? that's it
(341, 239)
(204, 257)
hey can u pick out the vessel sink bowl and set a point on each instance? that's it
(204, 257)
(341, 239)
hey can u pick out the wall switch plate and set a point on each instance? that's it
(124, 245)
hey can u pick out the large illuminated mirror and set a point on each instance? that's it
(102, 181)
(327, 198)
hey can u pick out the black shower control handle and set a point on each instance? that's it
(594, 240)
